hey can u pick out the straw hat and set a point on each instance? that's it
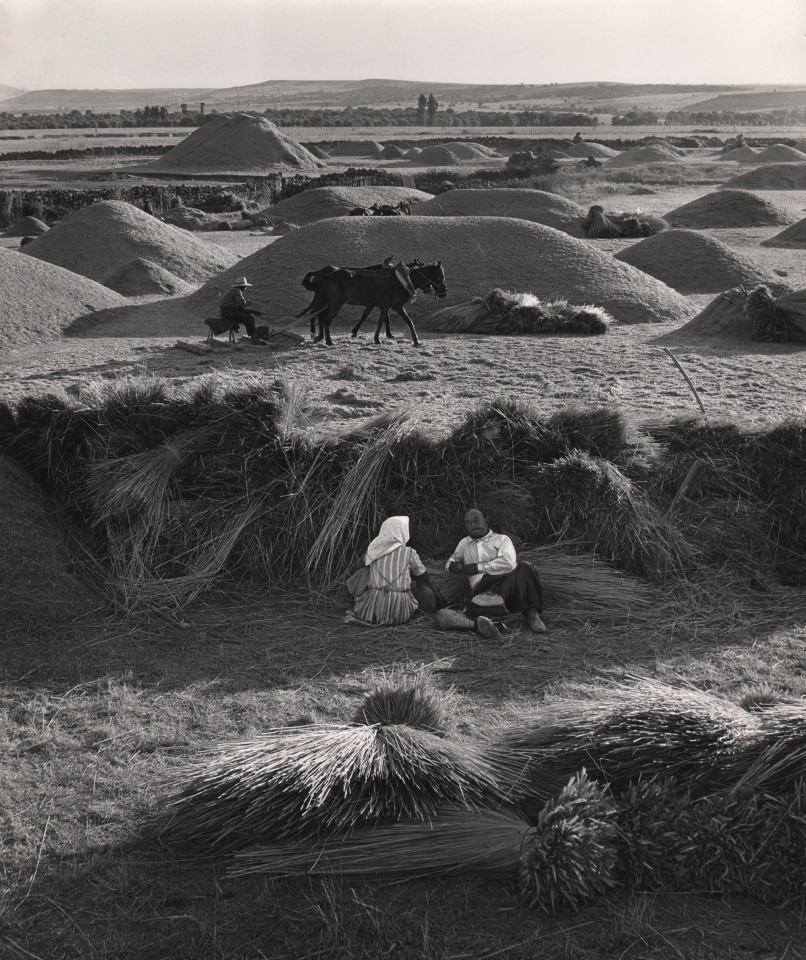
(242, 282)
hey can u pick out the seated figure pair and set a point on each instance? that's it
(393, 585)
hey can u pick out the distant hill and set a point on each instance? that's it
(770, 98)
(7, 92)
(340, 94)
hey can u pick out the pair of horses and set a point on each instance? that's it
(383, 210)
(383, 285)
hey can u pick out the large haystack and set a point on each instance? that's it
(477, 253)
(660, 142)
(323, 202)
(729, 208)
(743, 154)
(774, 176)
(655, 153)
(468, 150)
(780, 153)
(140, 277)
(236, 143)
(590, 149)
(744, 314)
(40, 588)
(39, 301)
(794, 236)
(27, 227)
(357, 148)
(105, 236)
(693, 262)
(550, 209)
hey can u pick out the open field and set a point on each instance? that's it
(97, 713)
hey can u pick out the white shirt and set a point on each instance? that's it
(494, 553)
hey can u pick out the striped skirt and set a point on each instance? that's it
(385, 606)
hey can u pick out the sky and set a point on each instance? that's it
(109, 44)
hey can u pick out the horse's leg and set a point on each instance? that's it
(383, 318)
(402, 312)
(364, 316)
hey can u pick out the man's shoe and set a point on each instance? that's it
(534, 622)
(488, 629)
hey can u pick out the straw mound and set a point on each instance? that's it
(317, 151)
(100, 238)
(439, 156)
(538, 206)
(659, 142)
(741, 154)
(27, 227)
(357, 148)
(775, 176)
(414, 152)
(589, 149)
(392, 152)
(729, 208)
(724, 316)
(35, 569)
(468, 150)
(794, 236)
(780, 153)
(655, 153)
(323, 202)
(141, 277)
(39, 301)
(478, 254)
(693, 263)
(236, 143)
(189, 218)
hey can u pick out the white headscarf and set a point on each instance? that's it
(394, 533)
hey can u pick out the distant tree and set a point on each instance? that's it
(422, 103)
(432, 108)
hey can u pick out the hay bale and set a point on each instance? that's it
(235, 143)
(142, 277)
(357, 148)
(27, 227)
(774, 176)
(794, 237)
(517, 255)
(638, 156)
(538, 206)
(39, 301)
(599, 224)
(692, 262)
(725, 316)
(729, 208)
(589, 149)
(320, 203)
(780, 153)
(40, 585)
(103, 237)
(777, 320)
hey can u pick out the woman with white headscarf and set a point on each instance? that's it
(389, 566)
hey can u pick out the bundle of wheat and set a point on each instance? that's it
(777, 319)
(503, 312)
(564, 860)
(773, 759)
(633, 731)
(411, 702)
(601, 225)
(324, 779)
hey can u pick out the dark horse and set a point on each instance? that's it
(368, 287)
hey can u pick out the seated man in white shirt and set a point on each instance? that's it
(490, 562)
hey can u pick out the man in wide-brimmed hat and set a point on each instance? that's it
(234, 307)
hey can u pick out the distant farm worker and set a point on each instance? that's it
(383, 588)
(234, 307)
(497, 581)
